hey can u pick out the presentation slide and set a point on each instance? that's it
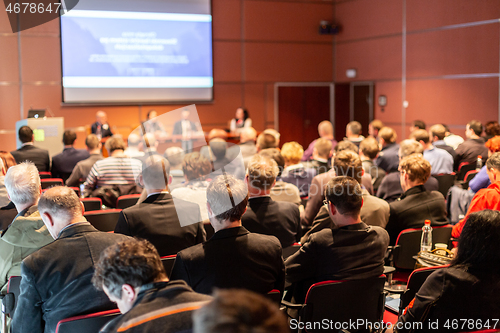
(135, 56)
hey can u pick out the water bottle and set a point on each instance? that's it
(479, 162)
(82, 195)
(426, 241)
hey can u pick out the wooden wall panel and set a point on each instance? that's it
(9, 108)
(9, 68)
(227, 61)
(41, 58)
(226, 19)
(255, 101)
(391, 115)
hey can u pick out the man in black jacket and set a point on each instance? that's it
(170, 224)
(264, 215)
(28, 152)
(233, 257)
(64, 163)
(56, 280)
(470, 149)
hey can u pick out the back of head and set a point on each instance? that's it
(492, 128)
(239, 311)
(218, 148)
(266, 141)
(92, 141)
(493, 161)
(174, 155)
(196, 166)
(354, 127)
(388, 135)
(292, 152)
(325, 128)
(479, 247)
(155, 172)
(438, 131)
(23, 183)
(377, 124)
(7, 159)
(420, 135)
(346, 145)
(408, 147)
(262, 172)
(348, 163)
(323, 147)
(476, 126)
(248, 134)
(275, 154)
(115, 143)
(134, 140)
(25, 134)
(69, 137)
(274, 133)
(419, 124)
(217, 133)
(149, 141)
(345, 194)
(369, 147)
(227, 197)
(62, 203)
(416, 167)
(493, 144)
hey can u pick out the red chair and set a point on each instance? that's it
(49, 182)
(103, 220)
(168, 263)
(445, 181)
(469, 176)
(90, 323)
(91, 204)
(76, 189)
(45, 174)
(465, 167)
(125, 201)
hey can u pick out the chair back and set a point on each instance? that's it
(415, 281)
(469, 176)
(103, 220)
(408, 244)
(288, 251)
(341, 301)
(14, 288)
(90, 323)
(91, 204)
(125, 201)
(274, 296)
(445, 181)
(168, 263)
(45, 174)
(49, 182)
(463, 168)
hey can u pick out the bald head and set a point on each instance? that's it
(155, 172)
(101, 117)
(325, 129)
(248, 134)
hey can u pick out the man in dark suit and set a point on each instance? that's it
(416, 204)
(185, 129)
(264, 215)
(171, 225)
(28, 152)
(56, 280)
(101, 127)
(82, 168)
(388, 157)
(233, 257)
(321, 156)
(350, 250)
(64, 163)
(470, 149)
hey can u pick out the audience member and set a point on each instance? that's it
(416, 125)
(169, 224)
(29, 152)
(295, 173)
(241, 120)
(374, 211)
(247, 146)
(56, 279)
(468, 289)
(239, 311)
(132, 276)
(175, 155)
(416, 204)
(282, 191)
(491, 129)
(481, 179)
(266, 141)
(350, 250)
(388, 156)
(4, 197)
(346, 145)
(233, 257)
(274, 133)
(218, 149)
(441, 162)
(134, 140)
(390, 188)
(64, 163)
(7, 208)
(321, 156)
(8, 161)
(325, 130)
(149, 146)
(368, 151)
(27, 233)
(116, 170)
(374, 127)
(451, 139)
(353, 133)
(217, 133)
(101, 126)
(473, 147)
(195, 167)
(82, 168)
(437, 133)
(263, 214)
(152, 125)
(488, 198)
(185, 130)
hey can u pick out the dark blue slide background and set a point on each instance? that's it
(80, 39)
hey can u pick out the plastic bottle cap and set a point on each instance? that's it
(427, 222)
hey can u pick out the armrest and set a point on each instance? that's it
(291, 305)
(8, 302)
